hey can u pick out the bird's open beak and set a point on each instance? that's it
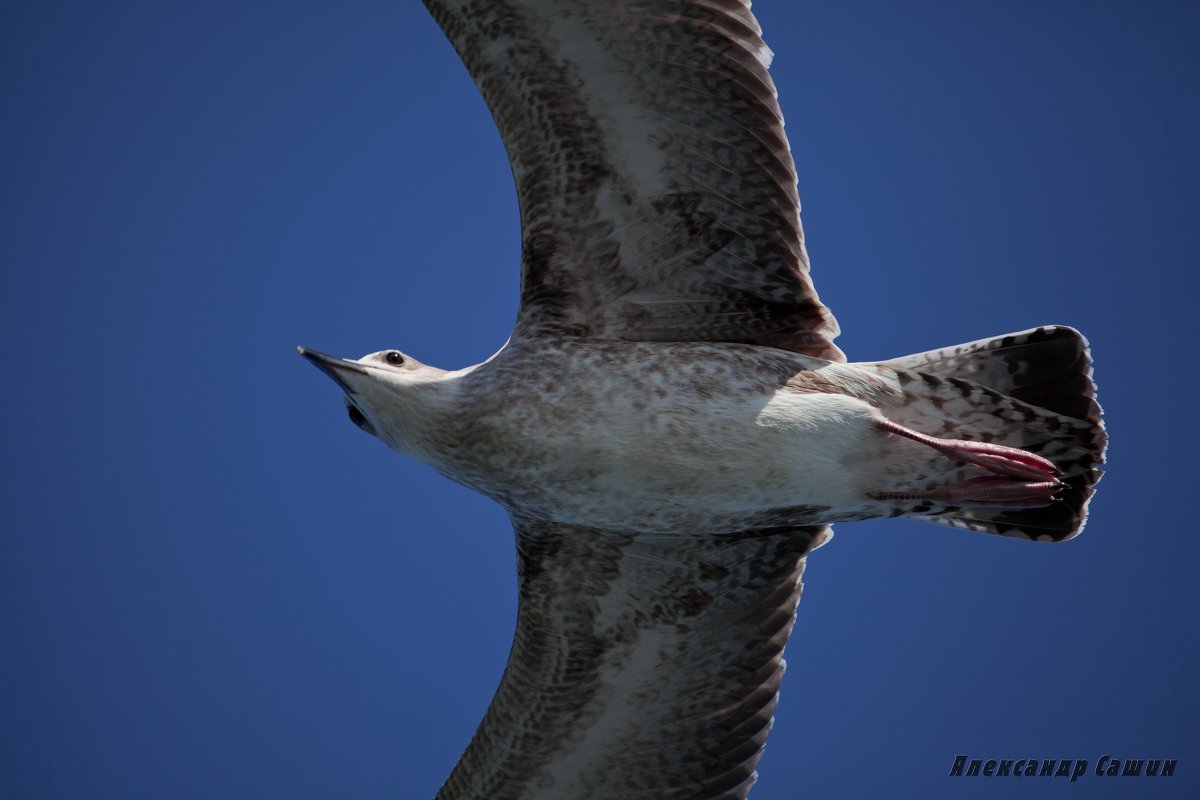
(334, 367)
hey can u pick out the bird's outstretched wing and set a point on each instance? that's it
(657, 191)
(642, 667)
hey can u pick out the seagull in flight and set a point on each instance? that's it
(671, 427)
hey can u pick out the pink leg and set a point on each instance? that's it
(993, 457)
(987, 490)
(1019, 479)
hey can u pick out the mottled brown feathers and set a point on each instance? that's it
(1047, 367)
(642, 667)
(657, 191)
(1032, 390)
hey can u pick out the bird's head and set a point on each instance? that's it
(388, 394)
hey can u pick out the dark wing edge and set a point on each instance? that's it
(656, 186)
(642, 667)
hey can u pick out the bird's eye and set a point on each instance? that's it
(356, 416)
(394, 358)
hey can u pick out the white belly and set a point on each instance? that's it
(735, 455)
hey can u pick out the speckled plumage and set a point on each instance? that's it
(671, 427)
(657, 191)
(648, 666)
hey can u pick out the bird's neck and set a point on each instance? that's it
(419, 418)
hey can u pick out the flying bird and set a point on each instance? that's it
(671, 427)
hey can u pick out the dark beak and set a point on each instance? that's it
(333, 366)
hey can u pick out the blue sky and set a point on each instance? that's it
(212, 585)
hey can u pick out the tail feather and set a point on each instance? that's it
(1031, 390)
(1048, 367)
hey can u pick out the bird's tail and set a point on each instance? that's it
(1032, 390)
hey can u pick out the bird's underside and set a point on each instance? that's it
(671, 427)
(700, 437)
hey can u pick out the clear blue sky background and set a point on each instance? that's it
(212, 585)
